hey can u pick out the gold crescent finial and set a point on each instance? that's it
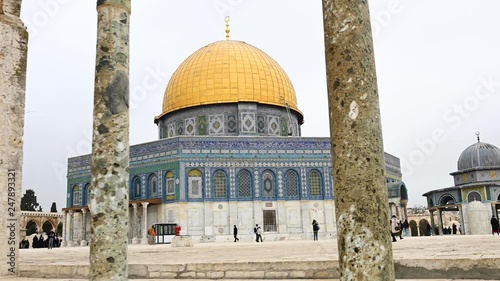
(477, 134)
(226, 19)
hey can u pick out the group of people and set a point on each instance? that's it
(398, 228)
(258, 232)
(39, 242)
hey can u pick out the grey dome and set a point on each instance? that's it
(479, 155)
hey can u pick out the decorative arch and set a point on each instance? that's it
(136, 188)
(77, 196)
(86, 195)
(244, 184)
(48, 226)
(195, 184)
(292, 184)
(268, 185)
(474, 196)
(170, 182)
(153, 185)
(403, 192)
(220, 185)
(447, 199)
(413, 228)
(31, 227)
(315, 183)
(424, 229)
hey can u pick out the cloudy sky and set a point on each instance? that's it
(437, 67)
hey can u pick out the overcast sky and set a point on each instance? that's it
(437, 67)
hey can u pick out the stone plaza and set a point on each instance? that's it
(416, 258)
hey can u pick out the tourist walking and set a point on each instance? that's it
(394, 228)
(258, 233)
(495, 227)
(454, 229)
(151, 235)
(52, 236)
(315, 225)
(235, 233)
(406, 228)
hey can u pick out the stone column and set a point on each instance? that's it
(134, 225)
(110, 143)
(462, 226)
(144, 239)
(84, 229)
(361, 202)
(433, 224)
(69, 229)
(440, 222)
(13, 52)
(64, 243)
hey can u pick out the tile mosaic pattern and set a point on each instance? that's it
(247, 122)
(216, 124)
(189, 124)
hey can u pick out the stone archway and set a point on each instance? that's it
(39, 218)
(413, 228)
(423, 227)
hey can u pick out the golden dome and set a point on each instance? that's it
(226, 72)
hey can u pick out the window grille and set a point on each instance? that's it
(269, 220)
(315, 183)
(244, 184)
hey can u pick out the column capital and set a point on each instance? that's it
(145, 204)
(84, 210)
(71, 212)
(134, 205)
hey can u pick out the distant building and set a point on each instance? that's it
(476, 194)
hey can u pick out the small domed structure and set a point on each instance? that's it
(476, 193)
(479, 155)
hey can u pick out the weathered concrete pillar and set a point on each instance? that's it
(110, 146)
(13, 52)
(362, 209)
(134, 225)
(144, 239)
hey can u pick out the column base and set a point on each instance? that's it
(135, 241)
(83, 243)
(64, 244)
(144, 241)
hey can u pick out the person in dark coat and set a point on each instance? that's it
(315, 225)
(35, 241)
(235, 233)
(495, 227)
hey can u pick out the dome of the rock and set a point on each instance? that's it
(227, 72)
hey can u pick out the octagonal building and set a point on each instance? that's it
(230, 152)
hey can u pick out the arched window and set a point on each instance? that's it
(136, 187)
(170, 181)
(195, 180)
(153, 186)
(220, 185)
(244, 180)
(474, 196)
(87, 194)
(314, 183)
(292, 184)
(77, 196)
(268, 185)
